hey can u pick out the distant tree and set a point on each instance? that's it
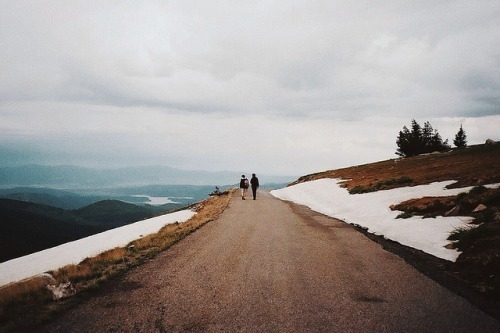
(460, 140)
(419, 140)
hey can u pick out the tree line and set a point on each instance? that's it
(420, 140)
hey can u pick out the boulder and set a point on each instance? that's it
(479, 208)
(490, 142)
(62, 290)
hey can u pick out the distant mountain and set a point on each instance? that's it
(27, 227)
(51, 197)
(67, 176)
(77, 198)
(110, 214)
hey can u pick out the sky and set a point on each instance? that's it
(324, 196)
(272, 87)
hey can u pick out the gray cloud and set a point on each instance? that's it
(136, 72)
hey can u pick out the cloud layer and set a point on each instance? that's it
(195, 83)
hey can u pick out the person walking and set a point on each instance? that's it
(254, 182)
(243, 186)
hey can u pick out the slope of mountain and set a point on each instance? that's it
(474, 165)
(108, 214)
(28, 227)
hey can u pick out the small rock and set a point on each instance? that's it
(62, 290)
(479, 208)
(490, 142)
(453, 212)
(450, 246)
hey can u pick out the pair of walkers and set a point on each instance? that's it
(244, 184)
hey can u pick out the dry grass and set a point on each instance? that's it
(476, 165)
(31, 293)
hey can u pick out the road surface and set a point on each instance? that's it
(271, 266)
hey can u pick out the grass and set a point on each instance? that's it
(381, 185)
(475, 165)
(31, 295)
(404, 215)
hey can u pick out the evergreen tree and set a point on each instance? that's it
(403, 142)
(460, 140)
(419, 140)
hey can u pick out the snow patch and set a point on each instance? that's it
(74, 252)
(371, 211)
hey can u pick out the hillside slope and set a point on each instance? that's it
(475, 165)
(478, 265)
(28, 227)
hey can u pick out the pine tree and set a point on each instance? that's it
(460, 140)
(419, 140)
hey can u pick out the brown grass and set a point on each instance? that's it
(31, 294)
(475, 165)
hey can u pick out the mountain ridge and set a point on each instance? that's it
(70, 176)
(27, 227)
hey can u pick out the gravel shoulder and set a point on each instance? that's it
(268, 265)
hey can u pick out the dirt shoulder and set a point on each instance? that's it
(444, 272)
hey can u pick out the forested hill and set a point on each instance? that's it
(27, 227)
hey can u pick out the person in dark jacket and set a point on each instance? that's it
(254, 182)
(243, 186)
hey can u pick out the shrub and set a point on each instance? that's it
(404, 215)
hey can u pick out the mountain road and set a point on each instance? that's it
(271, 266)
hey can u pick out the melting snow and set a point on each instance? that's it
(74, 252)
(371, 211)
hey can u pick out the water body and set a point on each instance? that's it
(156, 201)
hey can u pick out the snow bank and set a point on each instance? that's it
(371, 211)
(74, 252)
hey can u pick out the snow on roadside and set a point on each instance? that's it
(76, 251)
(371, 211)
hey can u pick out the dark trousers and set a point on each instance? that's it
(254, 192)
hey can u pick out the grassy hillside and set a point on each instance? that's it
(475, 165)
(28, 227)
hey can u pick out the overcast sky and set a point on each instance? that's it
(273, 87)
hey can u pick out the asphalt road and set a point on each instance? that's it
(271, 266)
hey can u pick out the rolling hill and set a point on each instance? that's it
(27, 227)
